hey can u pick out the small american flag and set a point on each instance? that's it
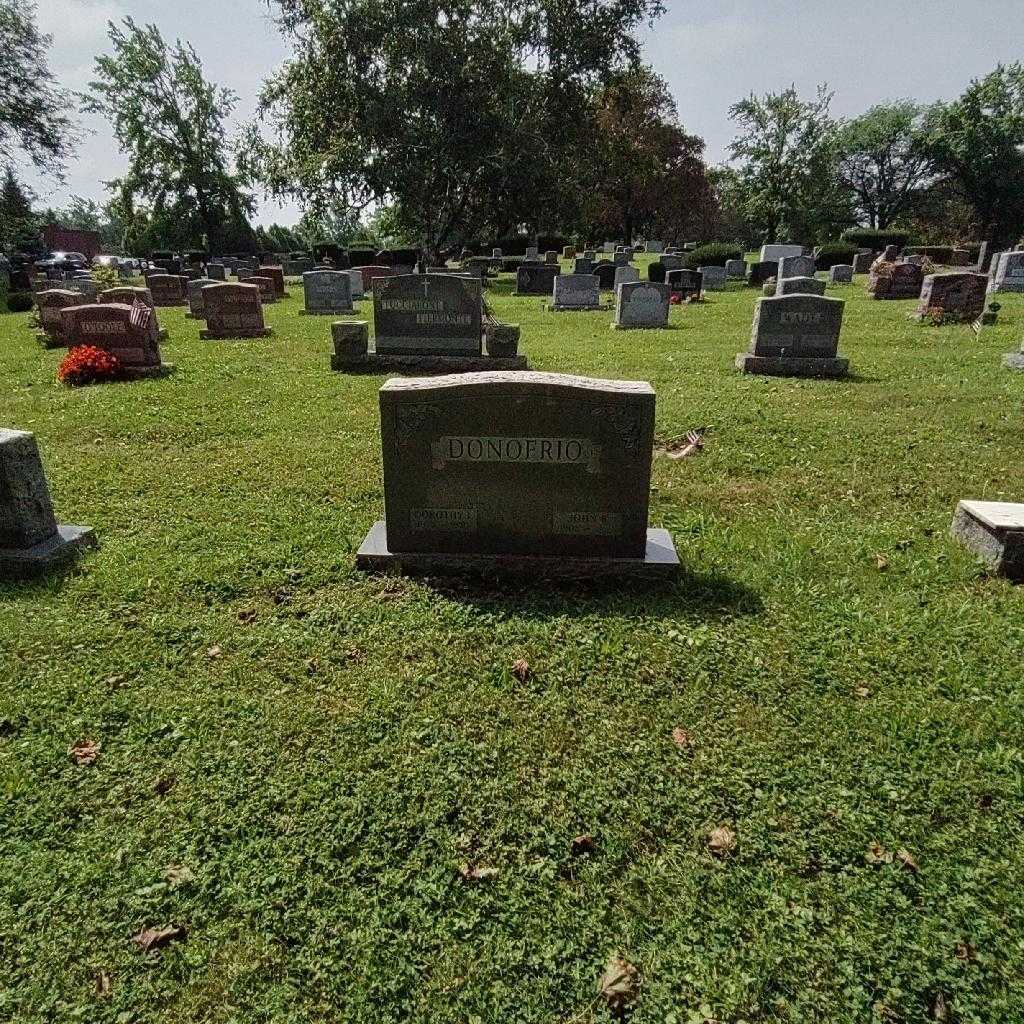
(140, 314)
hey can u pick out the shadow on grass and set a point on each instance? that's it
(690, 595)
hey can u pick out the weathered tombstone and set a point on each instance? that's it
(736, 269)
(112, 327)
(532, 252)
(31, 539)
(897, 281)
(625, 275)
(984, 257)
(327, 291)
(960, 258)
(590, 254)
(298, 267)
(233, 311)
(576, 292)
(168, 290)
(49, 304)
(276, 275)
(496, 254)
(196, 307)
(605, 271)
(536, 278)
(994, 531)
(1009, 272)
(371, 272)
(536, 472)
(642, 304)
(862, 262)
(422, 314)
(671, 261)
(713, 278)
(356, 277)
(800, 286)
(582, 266)
(217, 271)
(796, 336)
(796, 266)
(268, 290)
(86, 287)
(621, 258)
(243, 273)
(655, 247)
(760, 272)
(956, 296)
(686, 284)
(776, 253)
(551, 256)
(128, 296)
(840, 273)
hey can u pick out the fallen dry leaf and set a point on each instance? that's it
(214, 651)
(966, 952)
(680, 737)
(102, 983)
(156, 938)
(84, 751)
(476, 873)
(877, 854)
(881, 563)
(940, 1011)
(722, 841)
(863, 692)
(521, 669)
(163, 784)
(620, 984)
(247, 615)
(177, 874)
(581, 845)
(906, 860)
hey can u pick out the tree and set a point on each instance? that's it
(977, 142)
(459, 114)
(649, 172)
(883, 161)
(17, 221)
(33, 117)
(170, 122)
(787, 164)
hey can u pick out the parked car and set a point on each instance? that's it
(63, 261)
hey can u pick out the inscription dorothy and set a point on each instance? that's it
(559, 451)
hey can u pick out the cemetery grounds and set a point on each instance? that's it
(355, 806)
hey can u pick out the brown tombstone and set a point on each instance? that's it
(276, 275)
(110, 326)
(49, 304)
(233, 311)
(268, 291)
(168, 290)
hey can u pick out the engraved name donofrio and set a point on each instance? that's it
(560, 451)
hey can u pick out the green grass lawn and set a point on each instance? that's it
(330, 754)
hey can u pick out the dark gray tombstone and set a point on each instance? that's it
(196, 308)
(760, 272)
(685, 283)
(796, 336)
(736, 270)
(840, 273)
(713, 278)
(1009, 272)
(327, 292)
(576, 292)
(642, 304)
(31, 539)
(536, 278)
(534, 472)
(796, 266)
(424, 314)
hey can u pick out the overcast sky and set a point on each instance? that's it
(712, 52)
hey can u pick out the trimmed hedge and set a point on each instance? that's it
(714, 254)
(874, 239)
(19, 302)
(936, 253)
(398, 257)
(362, 257)
(829, 255)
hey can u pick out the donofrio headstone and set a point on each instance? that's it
(576, 292)
(327, 292)
(960, 296)
(128, 296)
(428, 314)
(31, 539)
(233, 311)
(536, 279)
(642, 304)
(796, 336)
(994, 531)
(109, 326)
(533, 472)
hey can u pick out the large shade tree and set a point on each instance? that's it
(170, 121)
(464, 116)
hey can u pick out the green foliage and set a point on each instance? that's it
(713, 254)
(105, 277)
(873, 238)
(19, 302)
(170, 122)
(883, 160)
(831, 253)
(978, 141)
(19, 226)
(33, 118)
(466, 124)
(296, 761)
(787, 181)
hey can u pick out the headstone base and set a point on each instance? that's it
(994, 531)
(1014, 361)
(785, 366)
(640, 327)
(146, 372)
(550, 307)
(266, 332)
(659, 563)
(60, 549)
(383, 362)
